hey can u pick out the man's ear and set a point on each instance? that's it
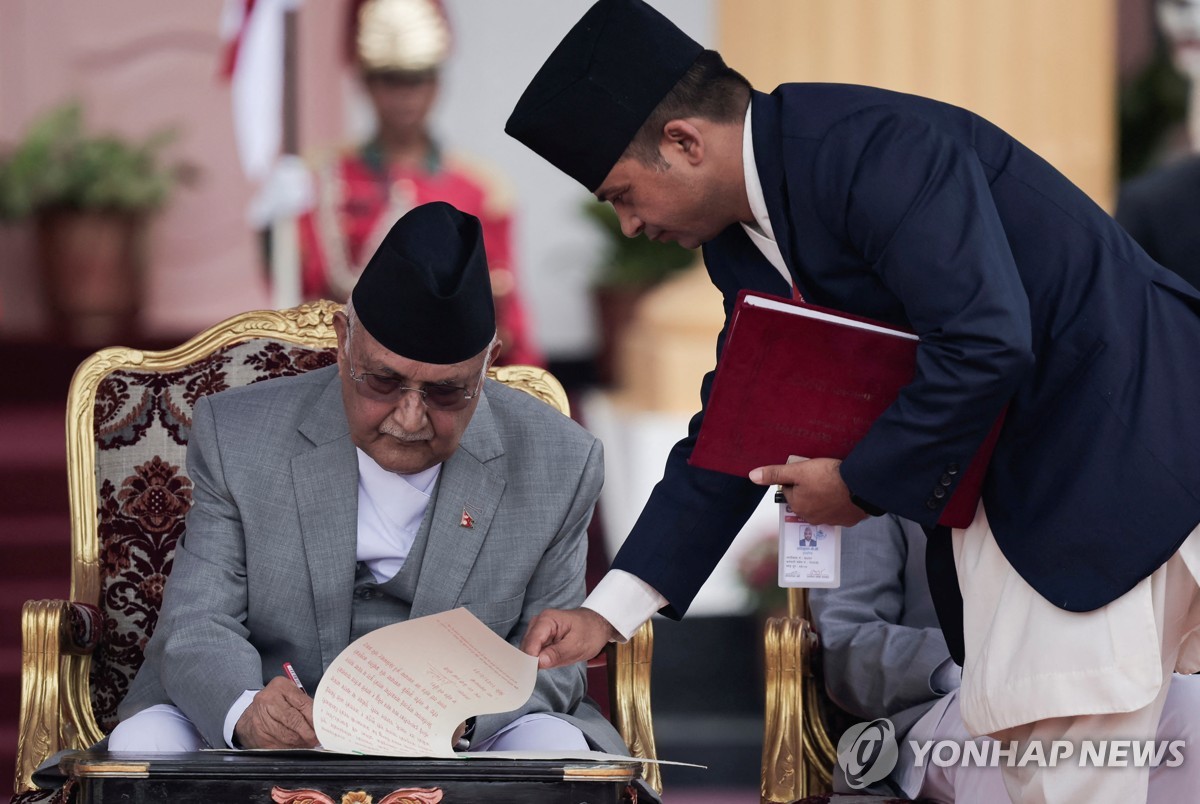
(340, 324)
(684, 137)
(494, 354)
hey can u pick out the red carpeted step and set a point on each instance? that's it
(34, 434)
(8, 759)
(33, 489)
(35, 537)
(10, 687)
(10, 707)
(46, 367)
(35, 546)
(33, 459)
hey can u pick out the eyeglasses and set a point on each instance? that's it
(385, 388)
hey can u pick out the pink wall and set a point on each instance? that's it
(1135, 35)
(322, 73)
(140, 65)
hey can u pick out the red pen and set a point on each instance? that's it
(287, 668)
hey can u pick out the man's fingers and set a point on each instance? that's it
(295, 696)
(568, 650)
(581, 645)
(560, 638)
(288, 717)
(288, 729)
(768, 475)
(542, 631)
(280, 716)
(292, 708)
(550, 657)
(795, 471)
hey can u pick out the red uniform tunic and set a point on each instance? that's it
(359, 197)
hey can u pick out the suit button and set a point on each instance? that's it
(946, 480)
(931, 504)
(939, 492)
(951, 468)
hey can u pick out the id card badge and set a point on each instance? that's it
(810, 556)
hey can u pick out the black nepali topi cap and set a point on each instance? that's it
(426, 293)
(589, 99)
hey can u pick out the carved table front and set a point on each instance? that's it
(313, 778)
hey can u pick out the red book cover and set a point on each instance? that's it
(797, 379)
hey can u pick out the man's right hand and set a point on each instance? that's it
(559, 637)
(280, 716)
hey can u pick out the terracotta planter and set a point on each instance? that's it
(92, 264)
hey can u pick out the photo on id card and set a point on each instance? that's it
(810, 556)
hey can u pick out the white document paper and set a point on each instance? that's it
(403, 689)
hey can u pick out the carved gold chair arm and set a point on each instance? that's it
(56, 708)
(798, 754)
(629, 698)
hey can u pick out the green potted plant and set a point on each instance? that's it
(89, 197)
(758, 570)
(628, 268)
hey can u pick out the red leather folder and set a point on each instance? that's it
(797, 379)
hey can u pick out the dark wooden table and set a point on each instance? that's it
(308, 778)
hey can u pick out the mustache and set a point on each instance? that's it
(390, 428)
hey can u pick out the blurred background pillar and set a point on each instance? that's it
(1044, 72)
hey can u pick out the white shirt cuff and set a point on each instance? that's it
(235, 714)
(625, 600)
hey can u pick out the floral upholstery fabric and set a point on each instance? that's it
(59, 795)
(142, 422)
(87, 624)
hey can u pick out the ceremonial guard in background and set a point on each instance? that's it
(399, 46)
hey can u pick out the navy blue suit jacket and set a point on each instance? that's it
(1022, 290)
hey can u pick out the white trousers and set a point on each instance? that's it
(164, 728)
(1036, 672)
(1180, 720)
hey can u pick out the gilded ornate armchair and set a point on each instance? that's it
(128, 420)
(798, 753)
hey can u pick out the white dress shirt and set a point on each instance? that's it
(391, 507)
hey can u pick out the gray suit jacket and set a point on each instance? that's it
(265, 573)
(879, 633)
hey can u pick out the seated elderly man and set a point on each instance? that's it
(396, 484)
(885, 656)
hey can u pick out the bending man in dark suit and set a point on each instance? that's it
(1025, 295)
(397, 484)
